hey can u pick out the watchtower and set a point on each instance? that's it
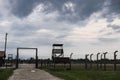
(57, 51)
(10, 59)
(58, 55)
(2, 61)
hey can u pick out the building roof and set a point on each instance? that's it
(57, 44)
(2, 53)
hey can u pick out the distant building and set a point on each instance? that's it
(2, 57)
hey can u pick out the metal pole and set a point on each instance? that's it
(91, 61)
(17, 58)
(36, 58)
(115, 55)
(105, 60)
(86, 60)
(97, 61)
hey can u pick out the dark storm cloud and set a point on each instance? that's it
(82, 8)
(22, 8)
(113, 10)
(87, 7)
(115, 6)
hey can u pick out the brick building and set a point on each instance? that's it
(2, 57)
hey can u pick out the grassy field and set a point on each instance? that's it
(78, 73)
(5, 73)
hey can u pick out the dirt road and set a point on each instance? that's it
(28, 72)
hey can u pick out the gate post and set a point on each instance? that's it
(36, 65)
(17, 58)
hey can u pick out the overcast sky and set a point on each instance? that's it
(83, 26)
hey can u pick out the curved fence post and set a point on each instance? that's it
(86, 61)
(91, 60)
(98, 61)
(115, 63)
(101, 61)
(105, 60)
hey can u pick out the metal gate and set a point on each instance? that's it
(17, 57)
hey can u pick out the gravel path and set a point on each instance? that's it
(28, 72)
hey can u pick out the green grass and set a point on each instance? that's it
(5, 73)
(80, 74)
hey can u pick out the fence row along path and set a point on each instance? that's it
(28, 72)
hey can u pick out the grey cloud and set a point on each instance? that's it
(113, 10)
(12, 45)
(84, 8)
(109, 33)
(49, 41)
(21, 29)
(38, 41)
(33, 40)
(22, 8)
(87, 7)
(41, 41)
(108, 40)
(61, 36)
(116, 28)
(95, 43)
(103, 30)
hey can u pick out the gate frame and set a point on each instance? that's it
(17, 57)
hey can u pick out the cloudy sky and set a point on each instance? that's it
(83, 26)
